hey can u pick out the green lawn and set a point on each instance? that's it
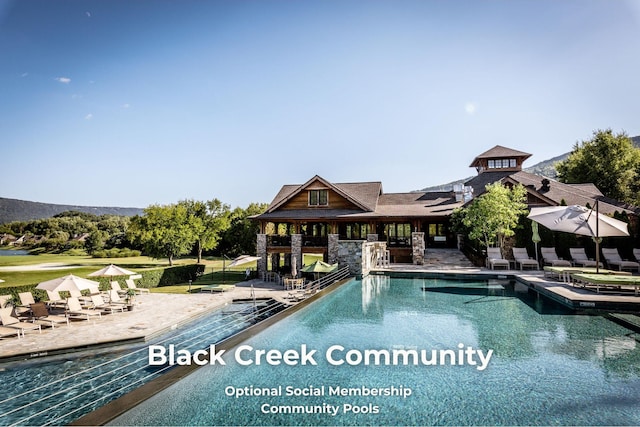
(82, 266)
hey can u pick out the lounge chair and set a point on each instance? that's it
(116, 286)
(99, 304)
(132, 285)
(217, 288)
(579, 258)
(40, 314)
(523, 259)
(494, 259)
(26, 299)
(9, 332)
(76, 310)
(10, 321)
(550, 257)
(608, 281)
(55, 300)
(114, 298)
(3, 300)
(612, 257)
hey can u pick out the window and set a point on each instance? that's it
(501, 163)
(318, 197)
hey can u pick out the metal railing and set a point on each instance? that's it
(316, 241)
(312, 288)
(278, 241)
(99, 386)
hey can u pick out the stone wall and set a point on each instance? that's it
(261, 251)
(333, 249)
(350, 254)
(296, 251)
(417, 244)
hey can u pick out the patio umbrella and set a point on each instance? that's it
(111, 271)
(319, 267)
(294, 267)
(580, 220)
(535, 237)
(68, 283)
(243, 259)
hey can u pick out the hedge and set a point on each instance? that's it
(150, 279)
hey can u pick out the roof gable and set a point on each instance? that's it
(500, 152)
(363, 195)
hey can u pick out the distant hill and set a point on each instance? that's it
(22, 210)
(546, 168)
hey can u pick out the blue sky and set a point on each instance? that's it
(131, 103)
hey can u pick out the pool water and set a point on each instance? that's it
(56, 390)
(549, 367)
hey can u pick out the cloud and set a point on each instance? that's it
(88, 116)
(65, 80)
(24, 74)
(470, 108)
(126, 105)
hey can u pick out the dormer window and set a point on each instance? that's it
(501, 163)
(318, 197)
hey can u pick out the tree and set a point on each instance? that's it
(493, 216)
(95, 241)
(163, 231)
(609, 161)
(240, 237)
(208, 221)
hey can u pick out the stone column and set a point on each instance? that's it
(261, 251)
(296, 251)
(332, 249)
(417, 244)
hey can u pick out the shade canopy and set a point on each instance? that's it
(243, 259)
(319, 267)
(111, 271)
(68, 283)
(578, 220)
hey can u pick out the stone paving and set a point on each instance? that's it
(153, 313)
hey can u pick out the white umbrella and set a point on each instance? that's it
(580, 220)
(68, 283)
(294, 267)
(110, 271)
(243, 259)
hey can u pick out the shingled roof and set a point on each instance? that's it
(499, 152)
(554, 194)
(362, 194)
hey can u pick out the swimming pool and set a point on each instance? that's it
(548, 367)
(59, 389)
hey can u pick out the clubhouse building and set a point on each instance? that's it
(360, 225)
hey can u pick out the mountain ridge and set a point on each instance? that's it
(24, 210)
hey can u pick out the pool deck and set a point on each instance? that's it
(152, 315)
(156, 313)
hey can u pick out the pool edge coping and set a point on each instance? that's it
(124, 403)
